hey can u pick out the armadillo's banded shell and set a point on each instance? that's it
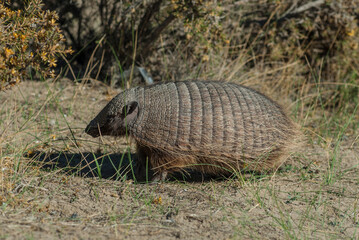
(215, 118)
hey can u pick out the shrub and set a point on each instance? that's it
(29, 38)
(132, 32)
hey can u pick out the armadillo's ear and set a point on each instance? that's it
(130, 112)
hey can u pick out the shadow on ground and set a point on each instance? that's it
(110, 166)
(86, 164)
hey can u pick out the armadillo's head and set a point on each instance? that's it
(116, 117)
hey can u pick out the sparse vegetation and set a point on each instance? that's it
(56, 182)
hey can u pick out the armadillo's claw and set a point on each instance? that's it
(160, 176)
(143, 176)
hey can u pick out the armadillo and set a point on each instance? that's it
(211, 127)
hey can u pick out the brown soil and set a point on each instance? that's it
(60, 194)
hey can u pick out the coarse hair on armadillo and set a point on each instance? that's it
(213, 127)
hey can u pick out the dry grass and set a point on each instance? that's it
(83, 194)
(57, 182)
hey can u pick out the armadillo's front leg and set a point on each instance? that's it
(143, 170)
(149, 166)
(160, 176)
(159, 165)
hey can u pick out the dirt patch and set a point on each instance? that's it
(76, 187)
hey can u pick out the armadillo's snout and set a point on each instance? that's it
(93, 129)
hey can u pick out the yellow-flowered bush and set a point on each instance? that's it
(29, 38)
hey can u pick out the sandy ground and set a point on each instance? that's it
(52, 187)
